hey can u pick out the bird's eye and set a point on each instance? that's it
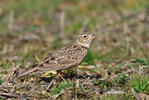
(85, 36)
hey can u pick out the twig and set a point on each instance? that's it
(10, 95)
(11, 21)
(56, 96)
(4, 90)
(135, 94)
(77, 86)
(50, 84)
(62, 24)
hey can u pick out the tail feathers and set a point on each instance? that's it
(34, 65)
(30, 72)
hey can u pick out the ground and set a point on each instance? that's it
(117, 65)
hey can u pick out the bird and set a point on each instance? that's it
(66, 57)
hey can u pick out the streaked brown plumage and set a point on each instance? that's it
(68, 56)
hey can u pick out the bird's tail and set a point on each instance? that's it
(28, 72)
(19, 73)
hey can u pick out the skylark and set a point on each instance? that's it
(66, 57)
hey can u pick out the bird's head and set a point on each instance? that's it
(85, 40)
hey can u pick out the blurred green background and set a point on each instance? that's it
(121, 26)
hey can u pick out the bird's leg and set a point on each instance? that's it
(61, 76)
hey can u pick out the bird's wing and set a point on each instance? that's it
(59, 64)
(51, 57)
(51, 65)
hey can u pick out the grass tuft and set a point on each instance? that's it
(4, 64)
(122, 78)
(105, 85)
(139, 84)
(37, 59)
(141, 61)
(60, 87)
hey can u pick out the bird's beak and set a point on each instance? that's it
(93, 36)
